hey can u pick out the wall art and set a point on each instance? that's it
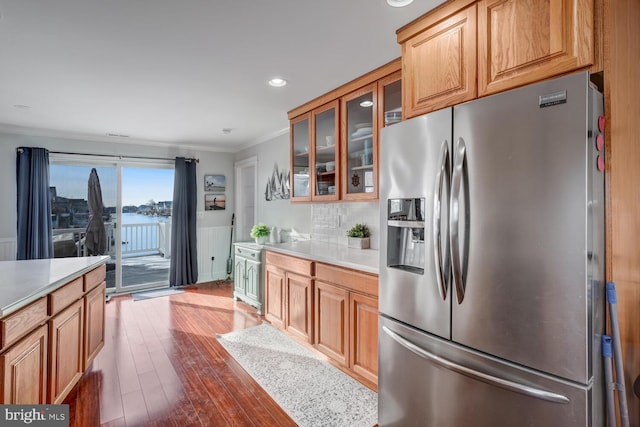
(214, 202)
(277, 185)
(215, 184)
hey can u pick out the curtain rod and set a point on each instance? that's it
(189, 159)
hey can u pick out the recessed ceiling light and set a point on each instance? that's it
(366, 103)
(398, 3)
(21, 107)
(277, 82)
(226, 131)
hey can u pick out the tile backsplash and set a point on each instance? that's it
(330, 221)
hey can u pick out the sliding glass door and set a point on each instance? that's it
(146, 226)
(69, 191)
(136, 215)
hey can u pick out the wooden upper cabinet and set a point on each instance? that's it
(325, 145)
(300, 135)
(524, 41)
(360, 144)
(438, 62)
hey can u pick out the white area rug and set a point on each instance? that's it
(309, 389)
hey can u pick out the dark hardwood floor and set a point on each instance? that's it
(162, 365)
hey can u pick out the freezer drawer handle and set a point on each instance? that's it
(437, 212)
(454, 218)
(480, 376)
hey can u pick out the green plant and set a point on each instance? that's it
(260, 230)
(359, 230)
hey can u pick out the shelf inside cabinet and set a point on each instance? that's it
(326, 173)
(303, 154)
(361, 138)
(321, 148)
(362, 167)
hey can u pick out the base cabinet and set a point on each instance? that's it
(24, 370)
(274, 284)
(289, 283)
(247, 277)
(66, 338)
(346, 313)
(363, 335)
(334, 309)
(47, 345)
(331, 321)
(299, 296)
(94, 309)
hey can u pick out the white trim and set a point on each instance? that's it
(239, 165)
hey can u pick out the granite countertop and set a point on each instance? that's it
(341, 255)
(25, 281)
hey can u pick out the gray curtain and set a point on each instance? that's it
(184, 257)
(34, 204)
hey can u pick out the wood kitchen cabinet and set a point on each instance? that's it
(338, 134)
(525, 42)
(300, 161)
(325, 153)
(363, 335)
(24, 370)
(298, 300)
(94, 323)
(275, 295)
(360, 138)
(47, 345)
(438, 61)
(66, 363)
(515, 42)
(346, 318)
(331, 313)
(289, 284)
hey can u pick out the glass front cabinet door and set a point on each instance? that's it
(390, 99)
(326, 183)
(360, 136)
(300, 134)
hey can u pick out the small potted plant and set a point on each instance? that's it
(359, 236)
(260, 232)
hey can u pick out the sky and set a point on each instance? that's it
(139, 184)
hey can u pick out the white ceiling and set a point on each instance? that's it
(178, 72)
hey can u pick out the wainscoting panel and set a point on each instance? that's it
(213, 242)
(7, 249)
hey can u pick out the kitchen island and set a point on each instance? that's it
(51, 326)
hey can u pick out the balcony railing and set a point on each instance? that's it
(137, 240)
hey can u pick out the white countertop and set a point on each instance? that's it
(25, 281)
(366, 260)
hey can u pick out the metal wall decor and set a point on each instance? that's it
(277, 185)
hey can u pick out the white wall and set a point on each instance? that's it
(210, 163)
(323, 221)
(279, 213)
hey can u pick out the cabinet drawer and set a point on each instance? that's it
(350, 279)
(248, 252)
(22, 321)
(94, 277)
(289, 263)
(60, 298)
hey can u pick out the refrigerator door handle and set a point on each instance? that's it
(476, 375)
(437, 211)
(460, 152)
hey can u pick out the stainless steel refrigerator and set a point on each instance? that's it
(492, 261)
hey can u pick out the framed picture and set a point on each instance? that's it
(215, 184)
(214, 202)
